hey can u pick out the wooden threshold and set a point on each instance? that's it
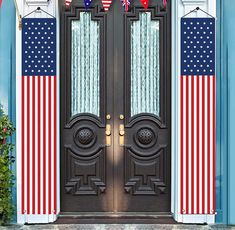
(115, 218)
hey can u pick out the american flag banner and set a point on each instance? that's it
(87, 3)
(38, 114)
(197, 116)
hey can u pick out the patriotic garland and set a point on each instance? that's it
(107, 3)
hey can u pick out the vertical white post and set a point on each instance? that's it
(179, 9)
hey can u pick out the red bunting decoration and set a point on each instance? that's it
(68, 2)
(164, 3)
(126, 4)
(106, 4)
(145, 4)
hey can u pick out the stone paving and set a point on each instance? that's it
(117, 227)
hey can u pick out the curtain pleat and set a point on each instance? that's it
(85, 72)
(145, 69)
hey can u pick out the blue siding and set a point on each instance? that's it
(226, 112)
(7, 67)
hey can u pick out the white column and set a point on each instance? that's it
(25, 7)
(179, 9)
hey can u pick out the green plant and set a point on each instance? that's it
(6, 175)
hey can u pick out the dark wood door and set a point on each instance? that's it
(115, 108)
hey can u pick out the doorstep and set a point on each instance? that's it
(116, 227)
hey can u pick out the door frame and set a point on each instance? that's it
(165, 76)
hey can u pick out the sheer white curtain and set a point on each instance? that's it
(145, 65)
(85, 65)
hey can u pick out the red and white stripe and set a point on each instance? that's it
(68, 2)
(106, 4)
(38, 129)
(197, 144)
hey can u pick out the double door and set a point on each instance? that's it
(115, 108)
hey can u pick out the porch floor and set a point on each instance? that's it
(117, 227)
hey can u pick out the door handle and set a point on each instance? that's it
(108, 131)
(121, 134)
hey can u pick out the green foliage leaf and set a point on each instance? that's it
(6, 175)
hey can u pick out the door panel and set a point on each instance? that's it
(144, 98)
(116, 64)
(86, 175)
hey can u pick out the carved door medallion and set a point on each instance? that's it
(115, 108)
